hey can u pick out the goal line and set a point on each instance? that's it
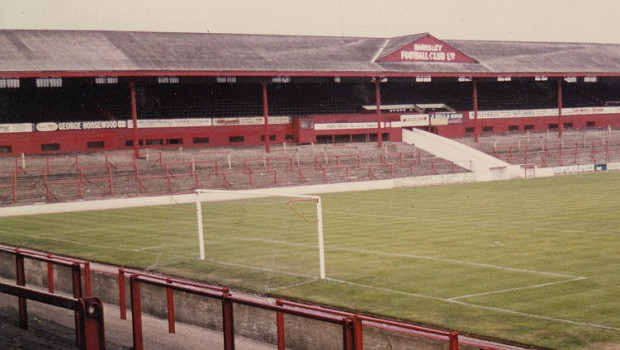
(209, 195)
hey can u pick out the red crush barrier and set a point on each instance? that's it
(74, 264)
(90, 334)
(13, 185)
(352, 324)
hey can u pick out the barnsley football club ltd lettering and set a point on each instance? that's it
(428, 52)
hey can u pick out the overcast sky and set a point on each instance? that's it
(528, 20)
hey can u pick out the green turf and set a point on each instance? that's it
(535, 261)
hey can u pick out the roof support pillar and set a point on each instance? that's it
(265, 114)
(134, 118)
(560, 107)
(475, 107)
(378, 102)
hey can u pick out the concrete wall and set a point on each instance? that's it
(255, 323)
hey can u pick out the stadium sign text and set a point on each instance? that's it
(426, 52)
(87, 125)
(407, 120)
(17, 127)
(426, 49)
(350, 126)
(549, 112)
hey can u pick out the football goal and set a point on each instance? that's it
(260, 225)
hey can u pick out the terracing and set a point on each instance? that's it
(43, 179)
(57, 178)
(547, 149)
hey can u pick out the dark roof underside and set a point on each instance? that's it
(99, 51)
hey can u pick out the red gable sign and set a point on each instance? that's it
(427, 49)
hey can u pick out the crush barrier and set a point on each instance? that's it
(352, 325)
(10, 184)
(90, 334)
(114, 174)
(76, 266)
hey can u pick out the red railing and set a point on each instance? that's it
(360, 320)
(127, 161)
(352, 324)
(90, 333)
(76, 267)
(268, 163)
(96, 177)
(324, 160)
(51, 261)
(89, 313)
(227, 302)
(12, 185)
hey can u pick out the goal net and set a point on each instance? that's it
(261, 229)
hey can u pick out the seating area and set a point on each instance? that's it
(224, 100)
(101, 175)
(235, 100)
(72, 102)
(77, 100)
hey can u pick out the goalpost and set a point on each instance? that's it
(209, 195)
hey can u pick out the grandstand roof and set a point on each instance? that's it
(40, 52)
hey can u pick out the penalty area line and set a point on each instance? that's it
(265, 269)
(452, 261)
(541, 317)
(507, 290)
(477, 306)
(292, 285)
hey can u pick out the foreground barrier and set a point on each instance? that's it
(227, 302)
(76, 267)
(360, 320)
(354, 328)
(51, 260)
(90, 334)
(352, 325)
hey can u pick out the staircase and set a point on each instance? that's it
(483, 165)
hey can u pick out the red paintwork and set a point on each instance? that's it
(219, 136)
(427, 49)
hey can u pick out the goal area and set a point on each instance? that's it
(261, 228)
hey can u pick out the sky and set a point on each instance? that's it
(507, 20)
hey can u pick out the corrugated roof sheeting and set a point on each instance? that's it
(59, 51)
(92, 51)
(527, 57)
(394, 44)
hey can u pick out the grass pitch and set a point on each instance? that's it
(534, 261)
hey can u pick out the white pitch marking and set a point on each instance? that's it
(261, 269)
(548, 318)
(386, 289)
(502, 225)
(292, 285)
(515, 289)
(162, 246)
(454, 261)
(422, 257)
